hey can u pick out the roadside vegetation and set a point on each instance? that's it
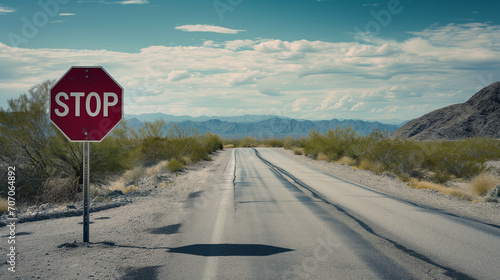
(422, 164)
(49, 167)
(252, 142)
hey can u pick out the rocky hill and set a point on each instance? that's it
(478, 117)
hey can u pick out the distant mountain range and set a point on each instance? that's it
(259, 126)
(477, 117)
(171, 118)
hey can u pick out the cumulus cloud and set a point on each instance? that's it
(134, 2)
(177, 75)
(297, 104)
(239, 44)
(207, 28)
(342, 79)
(248, 77)
(273, 46)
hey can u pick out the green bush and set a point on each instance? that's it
(249, 142)
(176, 165)
(275, 143)
(291, 142)
(334, 144)
(438, 161)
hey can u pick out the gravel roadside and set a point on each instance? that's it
(127, 242)
(485, 212)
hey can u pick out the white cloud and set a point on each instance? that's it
(297, 104)
(248, 77)
(383, 80)
(136, 2)
(207, 28)
(358, 107)
(67, 14)
(177, 75)
(5, 10)
(238, 44)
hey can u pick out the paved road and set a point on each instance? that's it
(269, 217)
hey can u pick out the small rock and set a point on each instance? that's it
(129, 183)
(44, 206)
(69, 207)
(495, 192)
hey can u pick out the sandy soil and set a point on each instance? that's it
(486, 212)
(125, 241)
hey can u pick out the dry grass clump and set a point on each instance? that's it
(298, 151)
(440, 188)
(157, 169)
(4, 205)
(484, 183)
(131, 188)
(134, 174)
(322, 156)
(59, 190)
(348, 161)
(365, 164)
(378, 168)
(228, 146)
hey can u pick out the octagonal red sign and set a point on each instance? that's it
(86, 104)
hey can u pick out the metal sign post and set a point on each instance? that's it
(86, 191)
(86, 104)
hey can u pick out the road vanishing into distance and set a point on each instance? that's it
(270, 217)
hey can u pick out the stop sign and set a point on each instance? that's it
(86, 104)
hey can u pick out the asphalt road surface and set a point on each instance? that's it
(269, 217)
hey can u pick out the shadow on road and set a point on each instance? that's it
(215, 250)
(171, 229)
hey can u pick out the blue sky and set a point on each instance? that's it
(312, 59)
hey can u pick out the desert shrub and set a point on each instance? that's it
(176, 165)
(290, 142)
(334, 144)
(56, 190)
(275, 143)
(399, 156)
(198, 152)
(461, 158)
(348, 161)
(298, 151)
(212, 142)
(249, 142)
(45, 159)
